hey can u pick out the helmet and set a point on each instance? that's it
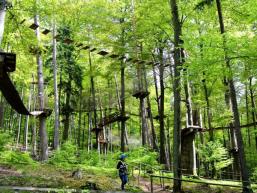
(123, 156)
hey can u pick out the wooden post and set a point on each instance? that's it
(151, 177)
(19, 125)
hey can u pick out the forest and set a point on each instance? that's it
(165, 88)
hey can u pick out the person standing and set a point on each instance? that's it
(123, 171)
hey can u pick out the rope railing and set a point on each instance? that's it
(142, 167)
(192, 181)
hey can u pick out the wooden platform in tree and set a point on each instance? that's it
(112, 118)
(103, 141)
(191, 129)
(157, 117)
(97, 129)
(141, 94)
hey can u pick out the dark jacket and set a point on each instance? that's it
(122, 167)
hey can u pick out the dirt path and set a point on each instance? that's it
(145, 185)
(7, 171)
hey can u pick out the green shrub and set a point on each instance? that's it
(90, 158)
(216, 153)
(5, 140)
(254, 175)
(14, 157)
(65, 156)
(142, 155)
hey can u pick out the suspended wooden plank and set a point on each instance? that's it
(103, 53)
(33, 26)
(149, 63)
(46, 31)
(157, 117)
(86, 47)
(57, 37)
(122, 57)
(135, 60)
(114, 56)
(129, 59)
(22, 21)
(93, 49)
(45, 83)
(141, 62)
(79, 45)
(68, 41)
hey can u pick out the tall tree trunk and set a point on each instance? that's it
(143, 122)
(154, 137)
(244, 171)
(42, 119)
(188, 98)
(93, 97)
(156, 89)
(163, 157)
(253, 109)
(1, 113)
(177, 98)
(168, 144)
(19, 124)
(208, 108)
(247, 114)
(89, 141)
(56, 97)
(34, 127)
(67, 111)
(80, 117)
(2, 18)
(27, 120)
(122, 104)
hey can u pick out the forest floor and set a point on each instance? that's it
(45, 175)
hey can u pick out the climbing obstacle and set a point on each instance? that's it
(114, 117)
(8, 64)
